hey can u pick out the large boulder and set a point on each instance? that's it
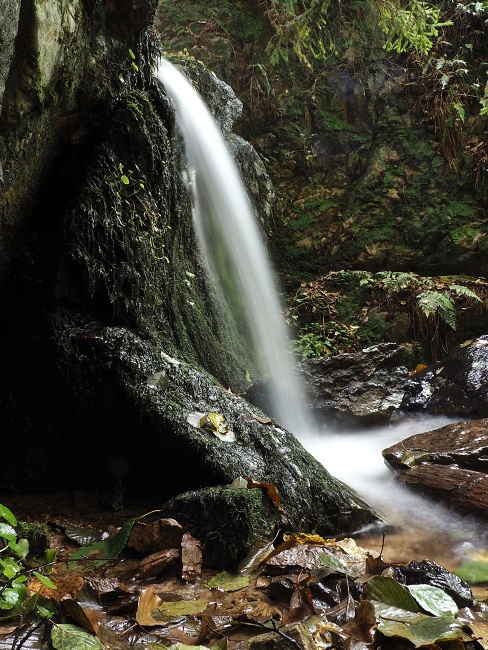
(449, 464)
(362, 388)
(115, 354)
(181, 435)
(455, 386)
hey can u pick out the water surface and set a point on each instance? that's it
(421, 527)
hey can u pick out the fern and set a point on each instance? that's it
(464, 291)
(396, 281)
(433, 303)
(413, 28)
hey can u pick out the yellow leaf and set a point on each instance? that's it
(218, 422)
(148, 602)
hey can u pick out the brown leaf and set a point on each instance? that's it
(363, 625)
(271, 490)
(67, 587)
(296, 615)
(259, 611)
(87, 618)
(148, 602)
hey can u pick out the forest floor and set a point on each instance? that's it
(292, 600)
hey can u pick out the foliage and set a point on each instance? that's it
(432, 303)
(344, 311)
(312, 27)
(106, 550)
(15, 597)
(19, 595)
(412, 27)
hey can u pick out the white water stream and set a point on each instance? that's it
(221, 207)
(222, 211)
(425, 528)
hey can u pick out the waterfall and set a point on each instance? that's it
(224, 218)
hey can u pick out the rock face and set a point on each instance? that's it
(456, 386)
(111, 341)
(361, 387)
(450, 464)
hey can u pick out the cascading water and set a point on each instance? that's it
(222, 212)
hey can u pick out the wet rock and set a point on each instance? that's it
(161, 534)
(462, 489)
(156, 563)
(457, 385)
(428, 572)
(463, 443)
(361, 387)
(191, 558)
(449, 463)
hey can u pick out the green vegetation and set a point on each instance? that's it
(413, 27)
(15, 570)
(345, 311)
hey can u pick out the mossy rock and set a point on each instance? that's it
(227, 521)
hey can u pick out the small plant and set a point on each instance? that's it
(15, 597)
(345, 311)
(415, 26)
(130, 178)
(129, 66)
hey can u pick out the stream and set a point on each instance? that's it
(222, 212)
(419, 528)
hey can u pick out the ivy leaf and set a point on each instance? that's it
(7, 532)
(389, 591)
(6, 514)
(66, 636)
(10, 597)
(433, 600)
(108, 549)
(47, 582)
(426, 631)
(473, 571)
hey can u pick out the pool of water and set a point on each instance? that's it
(420, 527)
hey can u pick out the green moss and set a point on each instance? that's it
(331, 122)
(374, 331)
(228, 522)
(456, 208)
(302, 223)
(37, 534)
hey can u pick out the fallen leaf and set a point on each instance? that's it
(148, 602)
(263, 420)
(196, 419)
(158, 381)
(227, 581)
(433, 600)
(271, 490)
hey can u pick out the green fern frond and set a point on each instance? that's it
(433, 302)
(464, 291)
(395, 281)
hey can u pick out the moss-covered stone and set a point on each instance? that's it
(227, 521)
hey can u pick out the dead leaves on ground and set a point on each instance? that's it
(302, 591)
(306, 591)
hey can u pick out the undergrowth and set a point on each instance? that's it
(345, 311)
